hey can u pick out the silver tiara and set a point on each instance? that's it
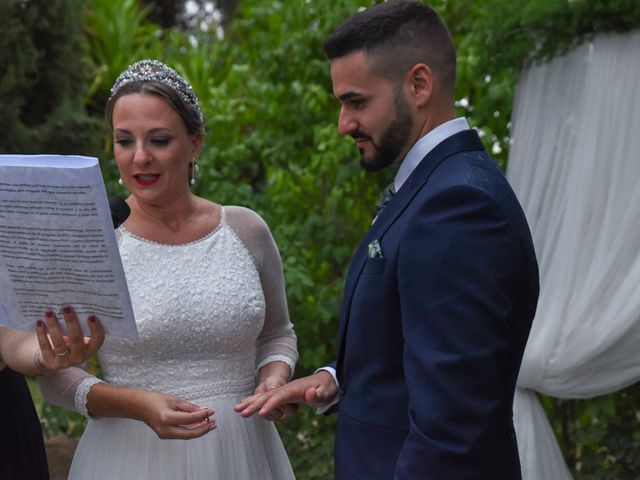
(146, 70)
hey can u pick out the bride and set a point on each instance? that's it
(208, 296)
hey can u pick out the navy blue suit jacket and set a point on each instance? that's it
(432, 333)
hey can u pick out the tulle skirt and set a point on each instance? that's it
(237, 449)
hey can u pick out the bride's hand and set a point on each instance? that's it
(272, 376)
(171, 417)
(61, 351)
(270, 382)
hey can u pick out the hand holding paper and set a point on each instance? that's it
(59, 350)
(57, 244)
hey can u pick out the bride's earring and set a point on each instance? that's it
(120, 182)
(194, 173)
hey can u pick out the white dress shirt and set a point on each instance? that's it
(423, 146)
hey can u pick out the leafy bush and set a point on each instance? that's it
(41, 70)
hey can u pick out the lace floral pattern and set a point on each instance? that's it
(279, 358)
(199, 309)
(82, 391)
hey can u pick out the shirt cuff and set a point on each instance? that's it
(336, 399)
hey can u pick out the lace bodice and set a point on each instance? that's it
(199, 309)
(208, 314)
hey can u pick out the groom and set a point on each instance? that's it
(441, 293)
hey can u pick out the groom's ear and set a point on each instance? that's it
(420, 81)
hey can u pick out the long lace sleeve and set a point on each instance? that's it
(277, 341)
(68, 388)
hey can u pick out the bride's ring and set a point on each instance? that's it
(66, 350)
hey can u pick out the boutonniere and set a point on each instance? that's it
(375, 251)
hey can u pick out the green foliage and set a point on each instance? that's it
(118, 34)
(14, 70)
(56, 420)
(41, 71)
(540, 29)
(600, 437)
(308, 439)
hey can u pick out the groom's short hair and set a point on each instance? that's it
(396, 35)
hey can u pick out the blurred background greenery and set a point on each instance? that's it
(272, 145)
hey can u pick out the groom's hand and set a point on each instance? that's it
(315, 390)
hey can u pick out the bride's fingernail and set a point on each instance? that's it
(66, 309)
(48, 314)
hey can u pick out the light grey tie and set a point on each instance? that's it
(387, 194)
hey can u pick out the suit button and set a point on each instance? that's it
(511, 433)
(342, 390)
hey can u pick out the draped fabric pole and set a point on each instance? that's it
(575, 166)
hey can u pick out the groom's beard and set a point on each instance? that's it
(393, 139)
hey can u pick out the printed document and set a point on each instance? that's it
(57, 244)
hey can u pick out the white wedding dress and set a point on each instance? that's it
(209, 314)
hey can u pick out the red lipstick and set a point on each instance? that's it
(146, 179)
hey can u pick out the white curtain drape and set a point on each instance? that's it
(575, 166)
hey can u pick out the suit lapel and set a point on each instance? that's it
(467, 140)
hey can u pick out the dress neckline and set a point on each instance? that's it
(205, 237)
